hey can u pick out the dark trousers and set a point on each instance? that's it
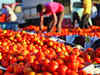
(76, 18)
(93, 21)
(85, 21)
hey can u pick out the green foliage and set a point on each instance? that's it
(87, 39)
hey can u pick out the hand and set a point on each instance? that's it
(41, 27)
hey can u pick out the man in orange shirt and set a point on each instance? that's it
(87, 5)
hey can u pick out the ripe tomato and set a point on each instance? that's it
(53, 66)
(82, 72)
(47, 73)
(62, 69)
(97, 60)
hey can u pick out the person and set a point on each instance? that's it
(94, 14)
(11, 12)
(55, 11)
(87, 5)
(76, 19)
(98, 9)
(4, 16)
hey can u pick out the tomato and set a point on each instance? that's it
(62, 69)
(55, 73)
(97, 60)
(69, 72)
(81, 60)
(30, 73)
(10, 68)
(47, 73)
(73, 58)
(1, 72)
(8, 73)
(76, 51)
(59, 61)
(82, 72)
(88, 58)
(38, 74)
(89, 74)
(53, 66)
(36, 54)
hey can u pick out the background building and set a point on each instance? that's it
(6, 2)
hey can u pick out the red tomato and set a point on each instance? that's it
(97, 60)
(82, 72)
(47, 73)
(70, 72)
(62, 69)
(60, 61)
(53, 66)
(55, 73)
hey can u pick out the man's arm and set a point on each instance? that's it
(14, 5)
(41, 22)
(55, 19)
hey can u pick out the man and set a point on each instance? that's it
(4, 9)
(12, 14)
(55, 11)
(94, 14)
(4, 16)
(87, 5)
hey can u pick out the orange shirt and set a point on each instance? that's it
(87, 5)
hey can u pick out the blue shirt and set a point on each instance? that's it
(4, 11)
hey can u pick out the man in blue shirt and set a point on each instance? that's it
(4, 10)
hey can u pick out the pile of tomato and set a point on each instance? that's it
(92, 31)
(22, 53)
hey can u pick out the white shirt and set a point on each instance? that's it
(94, 12)
(13, 16)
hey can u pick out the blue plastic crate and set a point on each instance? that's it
(9, 25)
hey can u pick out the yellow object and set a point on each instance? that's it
(87, 5)
(18, 9)
(30, 73)
(0, 56)
(94, 63)
(96, 1)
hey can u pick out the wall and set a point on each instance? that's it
(34, 2)
(31, 3)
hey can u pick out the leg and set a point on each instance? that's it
(60, 19)
(85, 22)
(76, 18)
(93, 21)
(51, 26)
